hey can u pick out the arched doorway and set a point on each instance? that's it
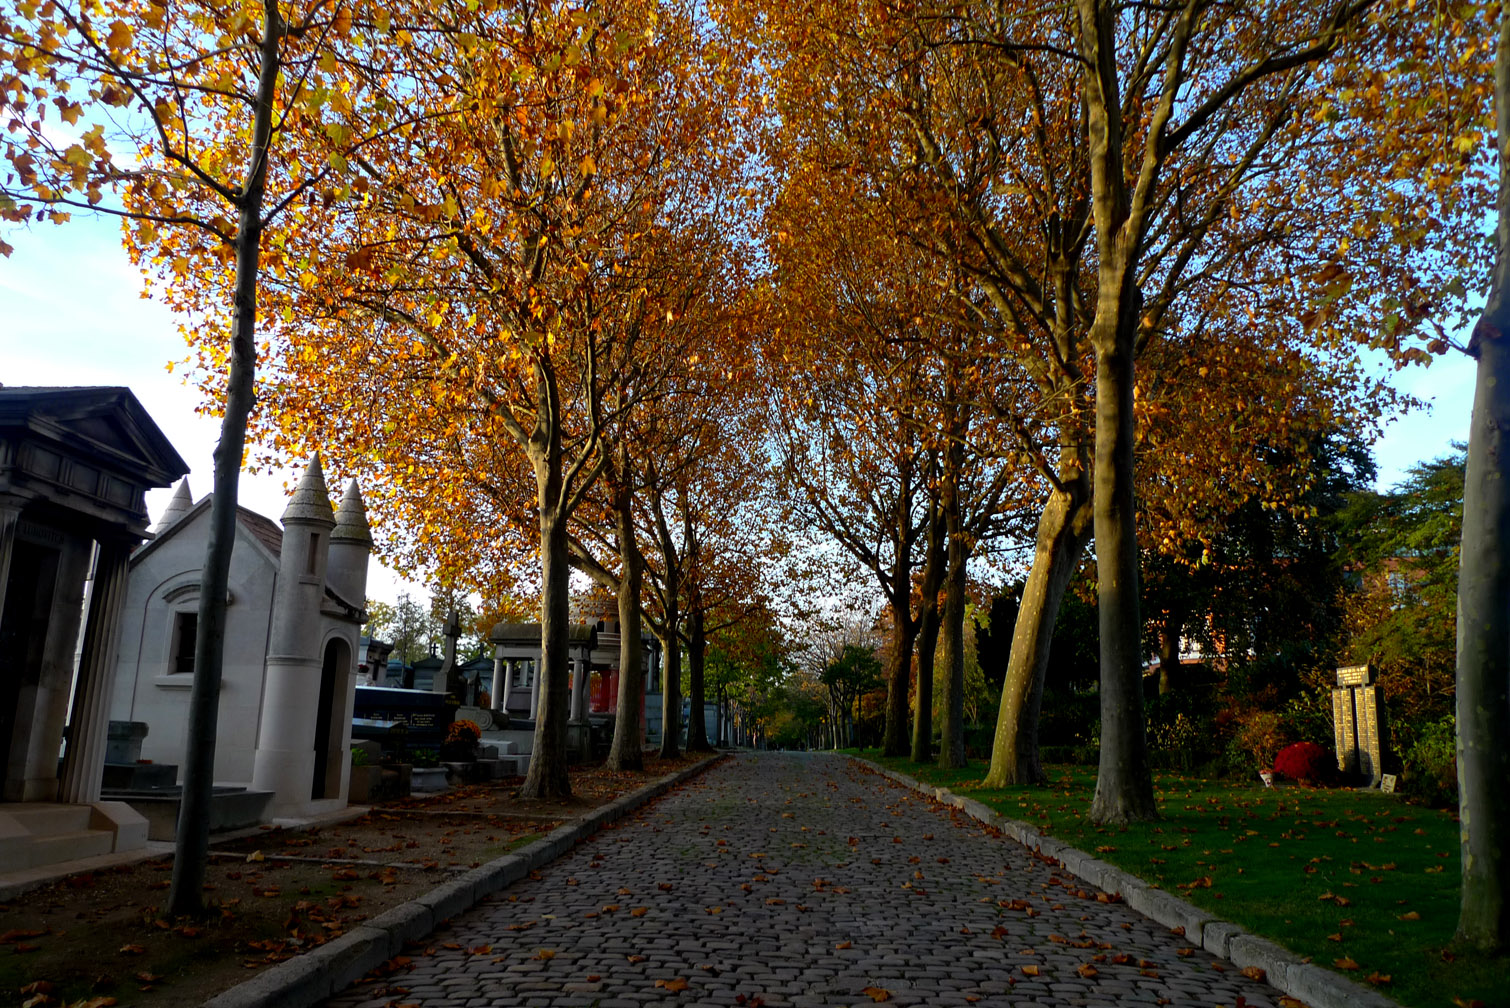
(330, 736)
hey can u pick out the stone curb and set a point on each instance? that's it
(1283, 970)
(334, 966)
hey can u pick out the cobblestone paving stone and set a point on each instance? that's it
(803, 881)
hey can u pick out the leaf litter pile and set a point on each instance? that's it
(100, 938)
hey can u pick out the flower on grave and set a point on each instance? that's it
(463, 732)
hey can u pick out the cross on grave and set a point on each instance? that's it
(1358, 720)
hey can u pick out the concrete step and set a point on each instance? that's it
(45, 818)
(18, 853)
(513, 766)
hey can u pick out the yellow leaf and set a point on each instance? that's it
(120, 36)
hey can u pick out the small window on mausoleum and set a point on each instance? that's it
(185, 633)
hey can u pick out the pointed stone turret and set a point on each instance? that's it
(311, 501)
(178, 506)
(285, 760)
(351, 518)
(350, 547)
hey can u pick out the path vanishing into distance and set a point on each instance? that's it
(787, 879)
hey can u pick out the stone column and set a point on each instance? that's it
(580, 667)
(10, 514)
(84, 763)
(534, 668)
(501, 681)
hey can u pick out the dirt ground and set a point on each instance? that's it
(101, 938)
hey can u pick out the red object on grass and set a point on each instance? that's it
(1304, 761)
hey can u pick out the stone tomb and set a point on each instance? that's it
(75, 465)
(1358, 721)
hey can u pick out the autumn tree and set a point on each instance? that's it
(180, 120)
(857, 469)
(1160, 230)
(878, 446)
(495, 269)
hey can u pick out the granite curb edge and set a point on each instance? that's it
(332, 967)
(1286, 972)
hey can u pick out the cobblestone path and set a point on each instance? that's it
(803, 880)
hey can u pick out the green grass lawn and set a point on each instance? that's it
(1358, 881)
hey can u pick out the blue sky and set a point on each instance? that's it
(71, 314)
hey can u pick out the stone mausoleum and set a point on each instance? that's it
(293, 644)
(75, 466)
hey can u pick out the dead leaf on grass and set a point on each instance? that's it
(1345, 963)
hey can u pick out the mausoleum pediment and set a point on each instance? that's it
(94, 451)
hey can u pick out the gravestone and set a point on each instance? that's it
(1358, 721)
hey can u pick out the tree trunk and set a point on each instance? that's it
(697, 653)
(1483, 673)
(1169, 649)
(1064, 528)
(904, 632)
(547, 777)
(927, 641)
(192, 840)
(1124, 783)
(627, 751)
(903, 627)
(1124, 786)
(952, 702)
(671, 685)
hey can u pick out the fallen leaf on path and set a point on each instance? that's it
(877, 994)
(1087, 970)
(545, 953)
(1030, 970)
(1254, 973)
(844, 945)
(675, 985)
(11, 937)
